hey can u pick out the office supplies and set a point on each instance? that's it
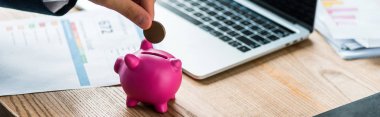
(235, 30)
(366, 107)
(347, 48)
(230, 32)
(352, 19)
(149, 76)
(156, 33)
(58, 53)
(285, 83)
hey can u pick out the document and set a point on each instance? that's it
(88, 5)
(348, 49)
(357, 19)
(58, 53)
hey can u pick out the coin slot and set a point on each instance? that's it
(155, 54)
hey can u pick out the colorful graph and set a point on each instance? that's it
(342, 12)
(76, 50)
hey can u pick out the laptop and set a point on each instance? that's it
(211, 36)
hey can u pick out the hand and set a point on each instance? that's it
(141, 12)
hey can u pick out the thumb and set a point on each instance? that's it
(129, 9)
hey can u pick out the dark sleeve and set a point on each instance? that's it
(36, 6)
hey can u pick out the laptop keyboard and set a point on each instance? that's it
(231, 22)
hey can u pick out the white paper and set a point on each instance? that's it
(351, 19)
(343, 50)
(70, 52)
(357, 19)
(88, 5)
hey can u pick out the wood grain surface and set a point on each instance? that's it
(5, 111)
(302, 80)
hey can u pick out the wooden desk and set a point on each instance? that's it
(302, 80)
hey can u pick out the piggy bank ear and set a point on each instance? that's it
(176, 64)
(131, 61)
(145, 44)
(118, 64)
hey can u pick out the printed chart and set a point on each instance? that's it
(341, 12)
(70, 52)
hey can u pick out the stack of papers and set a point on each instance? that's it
(58, 53)
(350, 26)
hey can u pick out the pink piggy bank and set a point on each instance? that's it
(149, 76)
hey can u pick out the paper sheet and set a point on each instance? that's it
(88, 5)
(348, 49)
(58, 53)
(357, 19)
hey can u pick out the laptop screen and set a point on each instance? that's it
(299, 11)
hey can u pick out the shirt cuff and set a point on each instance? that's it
(55, 5)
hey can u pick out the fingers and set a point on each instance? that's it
(148, 5)
(129, 9)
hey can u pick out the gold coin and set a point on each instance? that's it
(156, 33)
